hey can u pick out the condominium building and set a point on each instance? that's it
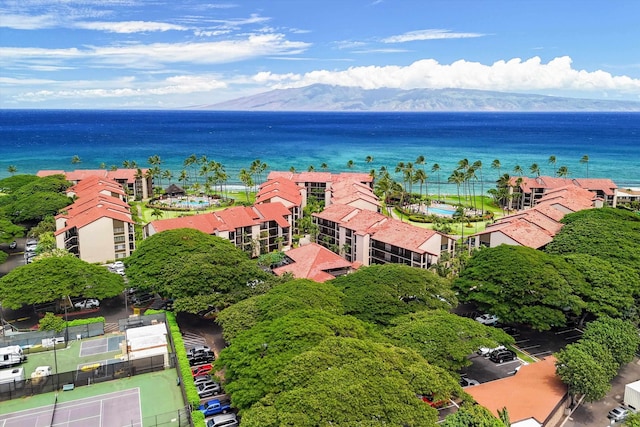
(97, 227)
(526, 192)
(137, 183)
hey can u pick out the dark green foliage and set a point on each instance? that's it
(49, 184)
(255, 358)
(444, 339)
(36, 206)
(522, 285)
(472, 415)
(284, 298)
(11, 184)
(53, 278)
(618, 336)
(349, 382)
(608, 233)
(51, 322)
(196, 269)
(609, 289)
(9, 231)
(582, 373)
(378, 293)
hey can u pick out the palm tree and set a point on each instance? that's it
(190, 161)
(563, 172)
(157, 213)
(324, 166)
(168, 175)
(477, 165)
(75, 159)
(113, 167)
(421, 161)
(103, 165)
(292, 169)
(126, 164)
(552, 161)
(463, 165)
(436, 168)
(517, 169)
(457, 178)
(585, 161)
(368, 159)
(311, 168)
(496, 165)
(247, 180)
(12, 169)
(184, 177)
(350, 164)
(420, 177)
(535, 169)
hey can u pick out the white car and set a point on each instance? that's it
(87, 303)
(486, 351)
(119, 271)
(488, 319)
(117, 265)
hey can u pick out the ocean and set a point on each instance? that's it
(32, 140)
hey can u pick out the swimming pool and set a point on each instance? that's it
(440, 211)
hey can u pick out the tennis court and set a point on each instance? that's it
(102, 345)
(106, 410)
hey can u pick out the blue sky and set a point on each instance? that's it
(180, 53)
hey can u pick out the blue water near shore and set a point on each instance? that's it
(47, 139)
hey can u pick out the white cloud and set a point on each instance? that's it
(27, 22)
(513, 75)
(433, 34)
(127, 27)
(123, 88)
(150, 55)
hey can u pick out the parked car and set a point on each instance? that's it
(143, 298)
(202, 379)
(87, 303)
(119, 271)
(198, 349)
(430, 400)
(214, 407)
(619, 413)
(467, 382)
(225, 420)
(503, 355)
(208, 389)
(13, 245)
(486, 351)
(116, 265)
(201, 370)
(487, 319)
(201, 359)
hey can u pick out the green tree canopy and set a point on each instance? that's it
(607, 233)
(378, 293)
(618, 336)
(610, 288)
(472, 415)
(11, 184)
(9, 231)
(348, 381)
(522, 285)
(582, 372)
(444, 339)
(52, 278)
(290, 296)
(256, 357)
(194, 268)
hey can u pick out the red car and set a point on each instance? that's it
(429, 400)
(201, 370)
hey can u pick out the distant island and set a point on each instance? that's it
(321, 97)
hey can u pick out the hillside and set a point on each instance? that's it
(321, 97)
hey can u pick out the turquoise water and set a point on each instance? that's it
(440, 211)
(32, 140)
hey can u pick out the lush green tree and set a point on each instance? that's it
(9, 231)
(472, 415)
(522, 285)
(607, 233)
(618, 336)
(256, 358)
(582, 373)
(609, 289)
(444, 339)
(36, 206)
(12, 183)
(347, 381)
(52, 278)
(197, 270)
(51, 322)
(379, 293)
(632, 420)
(48, 184)
(287, 297)
(48, 224)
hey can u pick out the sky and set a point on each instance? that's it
(157, 54)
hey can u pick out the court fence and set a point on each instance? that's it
(88, 375)
(34, 339)
(179, 418)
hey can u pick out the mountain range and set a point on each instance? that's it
(321, 97)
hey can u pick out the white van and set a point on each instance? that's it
(11, 355)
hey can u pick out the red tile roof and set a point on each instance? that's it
(274, 212)
(346, 192)
(128, 175)
(607, 186)
(312, 261)
(522, 231)
(403, 235)
(358, 220)
(88, 216)
(279, 188)
(534, 392)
